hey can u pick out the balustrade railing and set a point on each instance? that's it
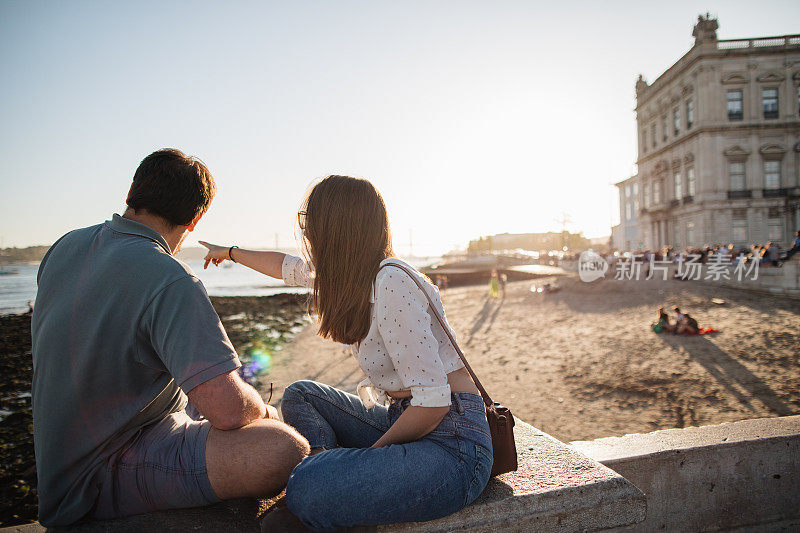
(761, 42)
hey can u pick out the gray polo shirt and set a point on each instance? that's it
(121, 332)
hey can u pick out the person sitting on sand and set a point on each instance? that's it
(123, 333)
(689, 326)
(680, 319)
(663, 323)
(429, 453)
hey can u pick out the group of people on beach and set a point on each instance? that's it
(138, 404)
(684, 324)
(768, 254)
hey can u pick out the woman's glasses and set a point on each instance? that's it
(301, 219)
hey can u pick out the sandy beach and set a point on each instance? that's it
(582, 363)
(579, 363)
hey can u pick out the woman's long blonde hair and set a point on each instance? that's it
(345, 233)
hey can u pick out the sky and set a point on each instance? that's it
(471, 117)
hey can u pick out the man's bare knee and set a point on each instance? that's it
(255, 460)
(284, 444)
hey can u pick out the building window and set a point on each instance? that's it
(664, 129)
(735, 105)
(739, 230)
(775, 228)
(627, 210)
(736, 172)
(644, 141)
(690, 185)
(689, 233)
(772, 174)
(653, 135)
(676, 121)
(657, 192)
(646, 195)
(627, 191)
(690, 114)
(769, 98)
(678, 185)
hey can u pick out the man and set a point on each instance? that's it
(122, 334)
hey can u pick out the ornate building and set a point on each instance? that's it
(719, 146)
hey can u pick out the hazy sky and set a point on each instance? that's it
(471, 118)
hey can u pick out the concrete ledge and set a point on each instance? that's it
(735, 475)
(784, 281)
(555, 489)
(233, 516)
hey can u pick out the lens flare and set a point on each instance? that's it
(260, 363)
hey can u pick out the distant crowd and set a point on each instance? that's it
(769, 254)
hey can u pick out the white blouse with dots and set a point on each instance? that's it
(406, 348)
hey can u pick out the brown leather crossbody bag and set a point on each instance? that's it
(501, 422)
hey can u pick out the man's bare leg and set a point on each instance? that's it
(253, 461)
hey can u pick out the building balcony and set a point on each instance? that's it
(774, 193)
(674, 203)
(656, 208)
(688, 199)
(744, 193)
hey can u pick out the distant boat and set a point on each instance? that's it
(8, 272)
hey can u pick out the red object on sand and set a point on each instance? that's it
(705, 331)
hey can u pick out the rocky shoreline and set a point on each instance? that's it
(18, 497)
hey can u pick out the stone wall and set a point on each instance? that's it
(736, 475)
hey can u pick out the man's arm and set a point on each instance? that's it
(228, 402)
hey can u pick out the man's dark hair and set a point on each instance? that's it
(172, 185)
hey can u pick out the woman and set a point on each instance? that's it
(429, 452)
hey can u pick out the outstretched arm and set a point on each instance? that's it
(268, 263)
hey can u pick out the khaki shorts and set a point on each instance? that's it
(163, 467)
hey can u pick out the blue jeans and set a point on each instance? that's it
(353, 484)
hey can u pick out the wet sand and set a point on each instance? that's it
(18, 497)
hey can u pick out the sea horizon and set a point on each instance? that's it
(229, 279)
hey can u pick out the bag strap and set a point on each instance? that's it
(485, 395)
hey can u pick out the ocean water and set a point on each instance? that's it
(228, 280)
(17, 290)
